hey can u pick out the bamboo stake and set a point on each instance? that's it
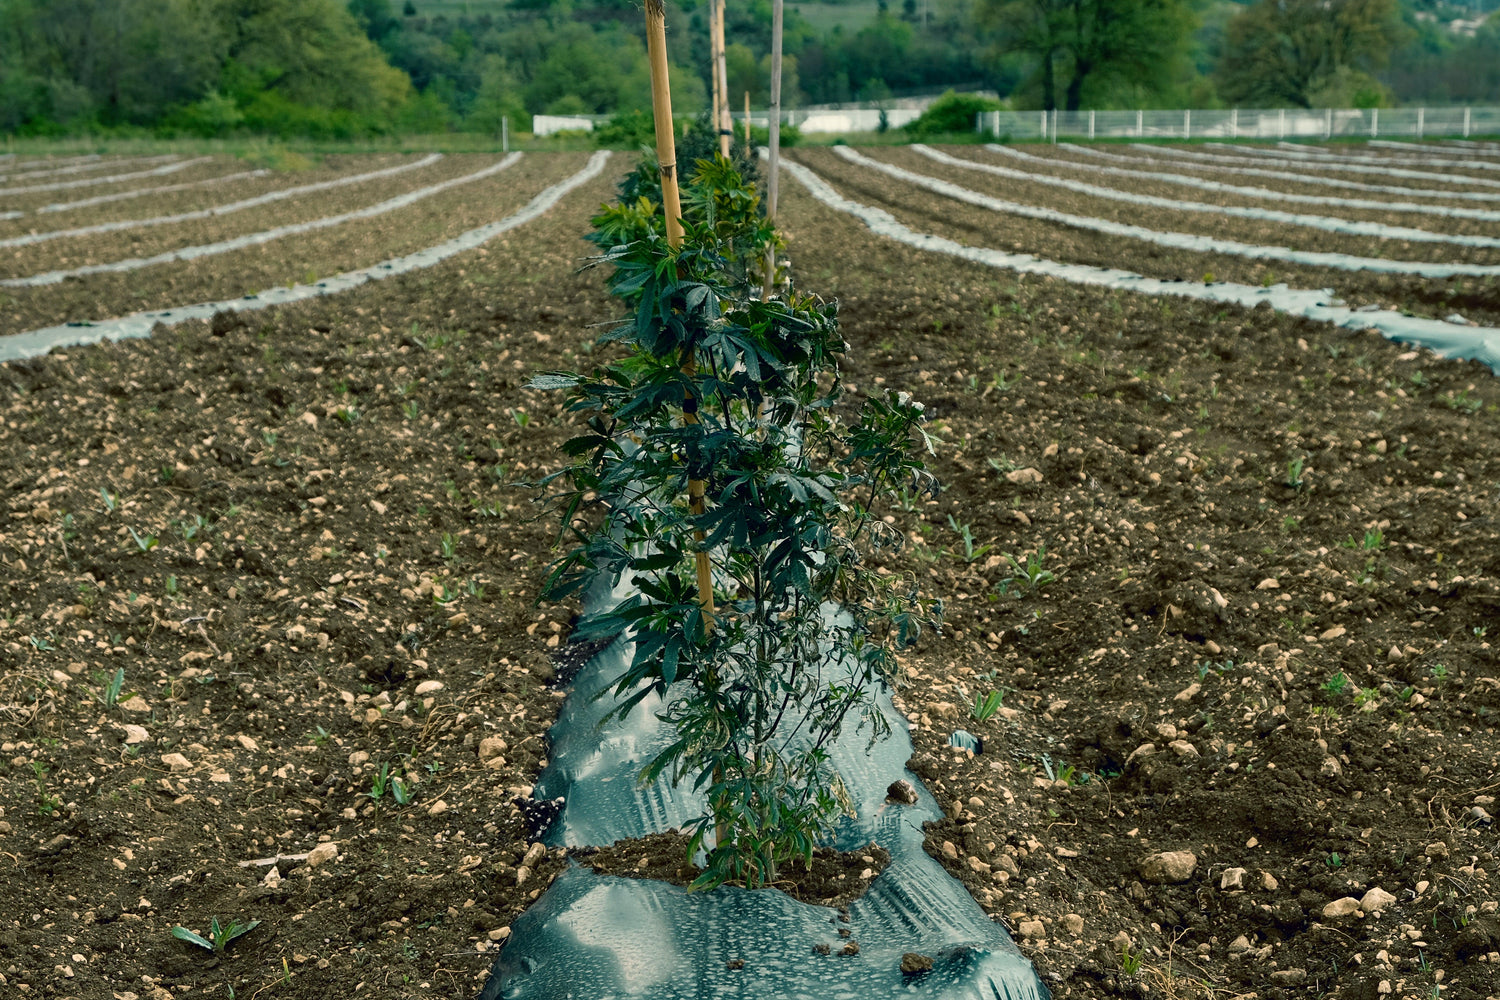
(726, 126)
(774, 121)
(666, 155)
(747, 120)
(713, 60)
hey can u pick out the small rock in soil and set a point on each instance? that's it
(1346, 907)
(1169, 866)
(902, 791)
(913, 964)
(322, 854)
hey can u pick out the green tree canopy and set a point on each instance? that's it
(1090, 48)
(1303, 53)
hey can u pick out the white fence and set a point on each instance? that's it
(1281, 123)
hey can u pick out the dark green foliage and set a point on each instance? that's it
(627, 130)
(1309, 53)
(950, 113)
(793, 475)
(1102, 53)
(205, 67)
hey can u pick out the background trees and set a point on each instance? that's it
(341, 67)
(1309, 53)
(1114, 48)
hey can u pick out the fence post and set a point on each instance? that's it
(996, 130)
(1421, 121)
(1044, 124)
(505, 133)
(1327, 123)
(1140, 131)
(1187, 125)
(1374, 123)
(1466, 122)
(1281, 124)
(1234, 122)
(1054, 126)
(1091, 125)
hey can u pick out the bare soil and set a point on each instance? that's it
(1286, 673)
(1471, 297)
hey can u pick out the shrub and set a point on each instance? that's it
(742, 395)
(952, 112)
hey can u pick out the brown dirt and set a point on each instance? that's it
(147, 205)
(1156, 160)
(927, 212)
(1079, 168)
(833, 878)
(286, 261)
(103, 248)
(1160, 432)
(1258, 232)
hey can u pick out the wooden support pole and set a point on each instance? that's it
(773, 120)
(747, 120)
(713, 62)
(666, 155)
(725, 123)
(661, 109)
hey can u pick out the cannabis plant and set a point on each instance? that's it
(738, 402)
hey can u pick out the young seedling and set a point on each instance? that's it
(985, 706)
(380, 783)
(1032, 573)
(109, 695)
(220, 936)
(1334, 686)
(970, 551)
(1294, 473)
(401, 791)
(145, 544)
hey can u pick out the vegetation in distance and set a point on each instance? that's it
(336, 69)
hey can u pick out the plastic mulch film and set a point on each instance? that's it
(607, 938)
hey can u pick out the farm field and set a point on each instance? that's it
(1247, 618)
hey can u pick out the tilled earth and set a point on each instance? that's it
(1242, 642)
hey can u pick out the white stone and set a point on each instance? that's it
(428, 687)
(1376, 900)
(322, 853)
(1339, 908)
(1233, 878)
(1169, 866)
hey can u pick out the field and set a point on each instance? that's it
(1231, 565)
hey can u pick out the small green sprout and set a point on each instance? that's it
(985, 706)
(144, 544)
(109, 695)
(1294, 473)
(220, 936)
(380, 783)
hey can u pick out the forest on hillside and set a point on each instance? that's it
(332, 68)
